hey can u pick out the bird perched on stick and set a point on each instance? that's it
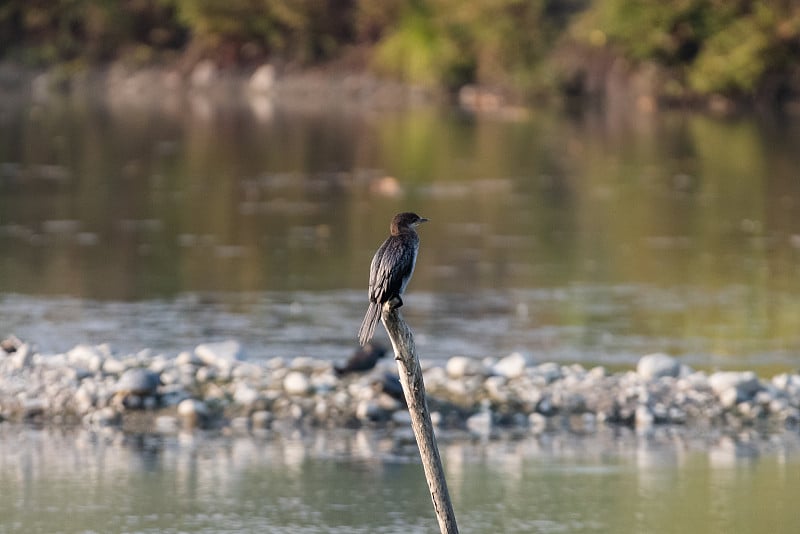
(391, 269)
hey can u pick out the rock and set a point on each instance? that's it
(114, 366)
(549, 371)
(86, 356)
(193, 412)
(513, 365)
(296, 383)
(480, 424)
(138, 381)
(745, 384)
(205, 374)
(657, 365)
(496, 389)
(10, 344)
(245, 395)
(188, 358)
(461, 366)
(22, 357)
(222, 354)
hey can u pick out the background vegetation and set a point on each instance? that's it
(745, 49)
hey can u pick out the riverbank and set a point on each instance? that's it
(215, 387)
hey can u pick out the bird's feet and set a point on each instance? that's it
(395, 302)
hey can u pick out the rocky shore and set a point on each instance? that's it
(215, 387)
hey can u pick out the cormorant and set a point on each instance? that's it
(391, 269)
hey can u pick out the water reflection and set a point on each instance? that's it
(670, 232)
(372, 481)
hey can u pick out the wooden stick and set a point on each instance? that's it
(414, 389)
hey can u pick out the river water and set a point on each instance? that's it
(575, 237)
(370, 481)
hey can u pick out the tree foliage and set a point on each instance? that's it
(733, 47)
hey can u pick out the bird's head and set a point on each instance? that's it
(406, 220)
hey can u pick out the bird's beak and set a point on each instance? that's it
(422, 220)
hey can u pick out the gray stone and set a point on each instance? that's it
(657, 365)
(138, 381)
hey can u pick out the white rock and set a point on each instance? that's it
(746, 383)
(113, 366)
(461, 366)
(513, 365)
(245, 395)
(205, 374)
(496, 389)
(192, 412)
(296, 383)
(86, 356)
(192, 408)
(188, 358)
(222, 354)
(657, 365)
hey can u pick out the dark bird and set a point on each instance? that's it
(363, 359)
(391, 269)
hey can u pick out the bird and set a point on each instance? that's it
(363, 359)
(391, 269)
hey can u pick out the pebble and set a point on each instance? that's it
(212, 386)
(461, 366)
(657, 365)
(513, 365)
(222, 354)
(296, 383)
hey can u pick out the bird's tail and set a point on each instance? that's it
(367, 329)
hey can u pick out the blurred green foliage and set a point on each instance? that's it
(733, 47)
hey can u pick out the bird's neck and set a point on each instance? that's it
(402, 230)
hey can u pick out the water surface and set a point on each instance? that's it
(575, 237)
(371, 481)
